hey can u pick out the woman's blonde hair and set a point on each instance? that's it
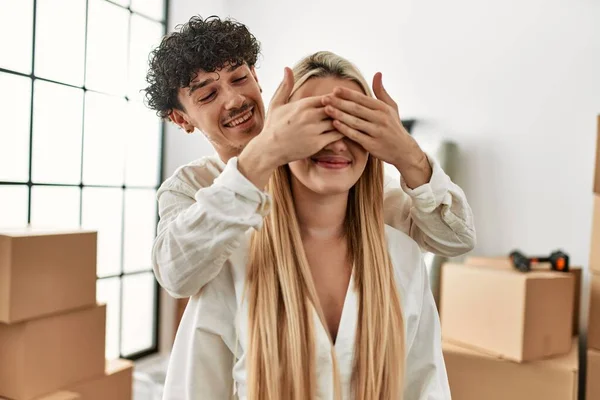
(282, 294)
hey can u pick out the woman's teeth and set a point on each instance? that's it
(243, 118)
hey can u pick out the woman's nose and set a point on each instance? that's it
(338, 146)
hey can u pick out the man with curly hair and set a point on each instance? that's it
(204, 77)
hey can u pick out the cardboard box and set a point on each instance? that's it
(593, 337)
(475, 375)
(595, 245)
(597, 174)
(56, 396)
(517, 316)
(43, 355)
(62, 396)
(115, 384)
(592, 384)
(45, 272)
(504, 262)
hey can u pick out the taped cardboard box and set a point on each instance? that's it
(43, 355)
(593, 337)
(44, 272)
(115, 384)
(516, 316)
(504, 262)
(592, 388)
(476, 375)
(595, 245)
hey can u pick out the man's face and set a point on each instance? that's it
(226, 105)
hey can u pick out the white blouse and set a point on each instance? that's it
(202, 363)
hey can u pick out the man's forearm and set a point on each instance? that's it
(256, 164)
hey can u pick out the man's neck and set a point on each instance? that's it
(319, 216)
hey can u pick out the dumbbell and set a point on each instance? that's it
(559, 261)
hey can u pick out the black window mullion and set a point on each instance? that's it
(122, 269)
(29, 180)
(85, 42)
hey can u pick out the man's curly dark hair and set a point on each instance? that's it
(200, 44)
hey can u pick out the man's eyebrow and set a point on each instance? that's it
(232, 68)
(199, 85)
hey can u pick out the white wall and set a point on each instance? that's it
(515, 84)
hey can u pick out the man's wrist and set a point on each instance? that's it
(256, 164)
(416, 171)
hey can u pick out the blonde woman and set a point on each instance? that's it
(324, 301)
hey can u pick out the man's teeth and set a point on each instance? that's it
(243, 118)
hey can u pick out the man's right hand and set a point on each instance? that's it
(292, 131)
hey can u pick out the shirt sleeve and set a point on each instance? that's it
(199, 230)
(436, 215)
(426, 377)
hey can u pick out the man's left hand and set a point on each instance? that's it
(375, 124)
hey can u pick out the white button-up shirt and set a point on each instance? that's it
(206, 207)
(214, 328)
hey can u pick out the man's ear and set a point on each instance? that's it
(253, 72)
(180, 118)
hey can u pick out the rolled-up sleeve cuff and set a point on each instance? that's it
(429, 196)
(232, 179)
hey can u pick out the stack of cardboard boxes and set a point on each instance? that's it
(509, 334)
(52, 331)
(593, 337)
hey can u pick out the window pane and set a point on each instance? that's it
(16, 16)
(140, 228)
(138, 313)
(60, 40)
(107, 47)
(102, 211)
(55, 207)
(15, 106)
(13, 212)
(108, 291)
(56, 133)
(152, 8)
(104, 139)
(145, 36)
(143, 147)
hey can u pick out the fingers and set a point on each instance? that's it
(364, 140)
(310, 102)
(327, 138)
(352, 121)
(353, 108)
(282, 94)
(316, 114)
(380, 91)
(360, 98)
(324, 126)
